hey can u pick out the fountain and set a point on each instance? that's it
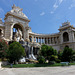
(25, 44)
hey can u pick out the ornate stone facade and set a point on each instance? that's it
(16, 20)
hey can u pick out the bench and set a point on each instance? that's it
(64, 63)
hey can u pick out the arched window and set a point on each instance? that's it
(65, 37)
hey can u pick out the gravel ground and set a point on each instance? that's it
(69, 70)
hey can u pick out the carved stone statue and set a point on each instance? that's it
(18, 36)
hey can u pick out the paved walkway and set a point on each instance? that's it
(39, 71)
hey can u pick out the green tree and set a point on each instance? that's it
(15, 52)
(48, 52)
(60, 54)
(67, 54)
(3, 48)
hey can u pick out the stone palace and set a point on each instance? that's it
(16, 28)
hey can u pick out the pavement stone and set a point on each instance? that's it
(68, 70)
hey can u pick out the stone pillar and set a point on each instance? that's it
(44, 40)
(38, 39)
(48, 40)
(72, 37)
(35, 39)
(56, 40)
(8, 31)
(32, 38)
(41, 40)
(52, 40)
(61, 37)
(27, 33)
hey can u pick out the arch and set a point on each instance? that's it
(67, 46)
(30, 38)
(15, 29)
(1, 32)
(65, 37)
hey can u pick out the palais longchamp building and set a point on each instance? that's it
(16, 28)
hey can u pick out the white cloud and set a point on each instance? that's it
(60, 1)
(56, 5)
(1, 10)
(72, 5)
(51, 12)
(43, 13)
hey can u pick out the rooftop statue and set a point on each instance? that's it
(18, 11)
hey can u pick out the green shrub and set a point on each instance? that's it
(15, 52)
(67, 54)
(57, 60)
(48, 52)
(41, 59)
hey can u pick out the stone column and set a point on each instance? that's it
(41, 40)
(32, 38)
(52, 40)
(71, 38)
(48, 40)
(38, 39)
(8, 31)
(35, 39)
(27, 33)
(56, 40)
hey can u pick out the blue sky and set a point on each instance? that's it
(46, 15)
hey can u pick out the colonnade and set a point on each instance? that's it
(45, 40)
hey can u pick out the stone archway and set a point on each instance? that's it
(65, 37)
(67, 46)
(17, 28)
(0, 32)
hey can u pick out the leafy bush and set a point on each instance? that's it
(57, 60)
(15, 52)
(41, 59)
(48, 52)
(67, 54)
